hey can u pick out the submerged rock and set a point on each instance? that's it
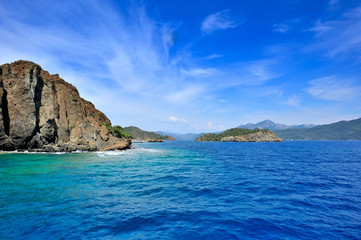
(42, 112)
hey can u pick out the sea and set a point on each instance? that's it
(185, 190)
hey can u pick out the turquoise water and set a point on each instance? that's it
(185, 190)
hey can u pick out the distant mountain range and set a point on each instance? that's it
(343, 130)
(268, 124)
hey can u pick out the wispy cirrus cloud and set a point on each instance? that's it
(280, 27)
(199, 72)
(218, 21)
(332, 88)
(213, 56)
(285, 26)
(341, 36)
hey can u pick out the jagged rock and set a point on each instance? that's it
(118, 146)
(42, 112)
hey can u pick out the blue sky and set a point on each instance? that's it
(196, 66)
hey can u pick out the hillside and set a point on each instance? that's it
(343, 130)
(268, 124)
(241, 135)
(139, 134)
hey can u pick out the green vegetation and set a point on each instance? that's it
(213, 137)
(117, 131)
(343, 130)
(140, 134)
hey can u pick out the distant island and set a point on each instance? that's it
(145, 136)
(241, 135)
(42, 112)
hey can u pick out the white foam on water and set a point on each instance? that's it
(79, 151)
(99, 153)
(129, 152)
(110, 153)
(151, 150)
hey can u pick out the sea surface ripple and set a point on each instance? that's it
(185, 190)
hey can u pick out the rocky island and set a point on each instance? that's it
(241, 135)
(42, 112)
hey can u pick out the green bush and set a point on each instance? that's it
(117, 131)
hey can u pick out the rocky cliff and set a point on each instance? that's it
(42, 112)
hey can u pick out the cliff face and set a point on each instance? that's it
(262, 136)
(42, 112)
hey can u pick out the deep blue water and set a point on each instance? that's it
(185, 190)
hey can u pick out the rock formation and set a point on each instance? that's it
(42, 112)
(261, 136)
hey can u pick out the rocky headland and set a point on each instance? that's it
(42, 112)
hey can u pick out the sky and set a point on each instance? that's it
(196, 66)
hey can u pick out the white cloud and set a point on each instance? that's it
(175, 119)
(323, 27)
(285, 26)
(200, 72)
(330, 88)
(213, 56)
(280, 27)
(258, 72)
(218, 21)
(339, 37)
